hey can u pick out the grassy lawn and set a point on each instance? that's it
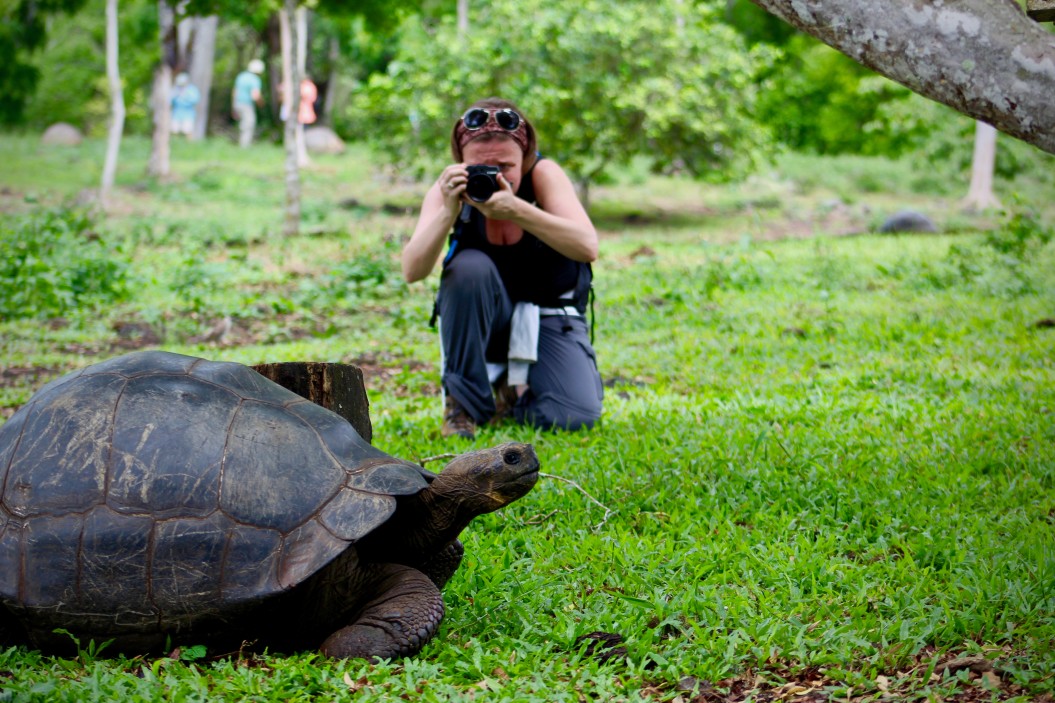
(826, 468)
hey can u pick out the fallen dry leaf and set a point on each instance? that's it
(790, 690)
(354, 686)
(991, 679)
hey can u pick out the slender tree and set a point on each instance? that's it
(291, 94)
(302, 70)
(980, 194)
(197, 46)
(117, 105)
(463, 17)
(329, 99)
(159, 166)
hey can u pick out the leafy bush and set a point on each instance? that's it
(649, 78)
(55, 262)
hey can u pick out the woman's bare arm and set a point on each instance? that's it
(439, 210)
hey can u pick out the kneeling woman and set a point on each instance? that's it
(515, 282)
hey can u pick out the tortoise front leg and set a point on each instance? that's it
(444, 563)
(398, 622)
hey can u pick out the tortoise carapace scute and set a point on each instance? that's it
(157, 496)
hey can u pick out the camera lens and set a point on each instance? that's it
(480, 187)
(482, 182)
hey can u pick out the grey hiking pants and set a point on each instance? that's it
(564, 386)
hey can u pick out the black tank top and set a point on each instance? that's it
(531, 270)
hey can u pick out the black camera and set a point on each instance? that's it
(482, 182)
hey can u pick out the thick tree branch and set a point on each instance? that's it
(981, 57)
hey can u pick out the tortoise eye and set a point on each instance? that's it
(512, 458)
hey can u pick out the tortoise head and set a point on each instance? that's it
(483, 481)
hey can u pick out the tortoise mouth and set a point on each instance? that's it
(525, 480)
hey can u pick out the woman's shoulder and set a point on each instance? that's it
(550, 180)
(546, 166)
(547, 172)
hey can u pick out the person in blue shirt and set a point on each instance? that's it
(245, 97)
(185, 97)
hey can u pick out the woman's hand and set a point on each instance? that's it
(502, 205)
(452, 185)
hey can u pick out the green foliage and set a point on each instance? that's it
(756, 24)
(22, 30)
(363, 279)
(820, 100)
(379, 14)
(87, 652)
(55, 262)
(602, 82)
(944, 139)
(72, 68)
(1002, 262)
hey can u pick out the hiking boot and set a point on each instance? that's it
(505, 400)
(457, 422)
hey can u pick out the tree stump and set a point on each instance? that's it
(336, 387)
(1041, 10)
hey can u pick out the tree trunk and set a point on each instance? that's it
(336, 387)
(329, 99)
(302, 71)
(197, 46)
(291, 87)
(117, 105)
(158, 166)
(980, 195)
(1041, 10)
(583, 191)
(302, 40)
(984, 58)
(463, 18)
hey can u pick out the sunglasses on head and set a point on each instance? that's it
(476, 117)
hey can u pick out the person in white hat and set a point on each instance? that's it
(245, 97)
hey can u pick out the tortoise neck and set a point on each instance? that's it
(422, 524)
(442, 515)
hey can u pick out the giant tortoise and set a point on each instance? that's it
(157, 498)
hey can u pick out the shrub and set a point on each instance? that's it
(54, 262)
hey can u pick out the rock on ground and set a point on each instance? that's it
(908, 221)
(323, 140)
(62, 134)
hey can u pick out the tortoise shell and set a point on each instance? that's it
(150, 490)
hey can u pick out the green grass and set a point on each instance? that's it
(823, 460)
